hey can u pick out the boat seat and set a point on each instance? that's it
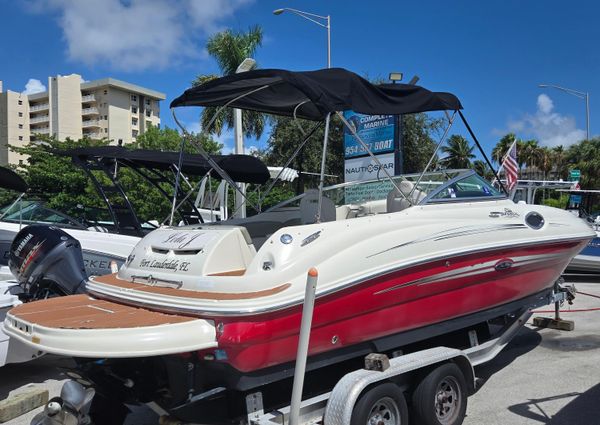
(397, 202)
(310, 204)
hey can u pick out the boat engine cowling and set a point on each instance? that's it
(47, 261)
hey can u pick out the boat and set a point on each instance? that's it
(201, 316)
(587, 262)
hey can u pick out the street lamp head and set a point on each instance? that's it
(278, 11)
(246, 65)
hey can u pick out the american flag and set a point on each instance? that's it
(511, 167)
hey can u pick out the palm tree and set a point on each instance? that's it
(501, 148)
(458, 152)
(483, 169)
(229, 49)
(530, 155)
(560, 160)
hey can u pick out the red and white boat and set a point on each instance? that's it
(210, 308)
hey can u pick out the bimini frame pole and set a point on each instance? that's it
(464, 120)
(201, 149)
(177, 177)
(323, 160)
(450, 122)
(366, 148)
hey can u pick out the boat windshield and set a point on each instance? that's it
(33, 212)
(433, 187)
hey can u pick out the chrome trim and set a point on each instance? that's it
(202, 312)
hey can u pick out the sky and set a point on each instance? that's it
(491, 54)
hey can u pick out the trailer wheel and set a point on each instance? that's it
(383, 404)
(441, 397)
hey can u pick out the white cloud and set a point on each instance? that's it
(138, 34)
(550, 128)
(34, 86)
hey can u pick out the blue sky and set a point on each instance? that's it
(491, 54)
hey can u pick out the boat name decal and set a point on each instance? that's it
(182, 239)
(173, 265)
(508, 213)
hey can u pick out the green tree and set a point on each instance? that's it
(418, 143)
(229, 49)
(560, 162)
(458, 152)
(483, 169)
(585, 156)
(501, 148)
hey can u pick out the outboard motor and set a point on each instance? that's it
(47, 262)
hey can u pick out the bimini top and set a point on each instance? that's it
(314, 94)
(11, 180)
(242, 168)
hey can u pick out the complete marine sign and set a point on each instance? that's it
(377, 131)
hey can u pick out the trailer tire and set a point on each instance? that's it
(383, 404)
(441, 397)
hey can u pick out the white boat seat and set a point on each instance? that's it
(310, 204)
(397, 202)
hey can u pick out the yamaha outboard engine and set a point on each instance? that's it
(47, 262)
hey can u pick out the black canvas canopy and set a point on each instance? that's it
(314, 94)
(241, 168)
(11, 180)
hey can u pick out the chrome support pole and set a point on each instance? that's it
(450, 122)
(177, 177)
(323, 158)
(304, 339)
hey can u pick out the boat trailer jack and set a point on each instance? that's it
(561, 294)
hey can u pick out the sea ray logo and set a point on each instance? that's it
(508, 213)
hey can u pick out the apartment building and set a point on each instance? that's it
(106, 108)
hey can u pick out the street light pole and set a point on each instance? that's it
(580, 95)
(313, 18)
(238, 136)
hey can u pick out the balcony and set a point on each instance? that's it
(88, 98)
(90, 123)
(40, 107)
(89, 111)
(38, 119)
(93, 135)
(40, 130)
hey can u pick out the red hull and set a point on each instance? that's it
(378, 307)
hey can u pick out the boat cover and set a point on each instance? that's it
(11, 180)
(241, 168)
(314, 94)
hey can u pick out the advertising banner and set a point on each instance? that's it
(377, 131)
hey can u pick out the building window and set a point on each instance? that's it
(158, 126)
(133, 98)
(148, 124)
(134, 133)
(105, 117)
(20, 125)
(105, 91)
(106, 130)
(134, 121)
(120, 142)
(148, 102)
(148, 113)
(20, 102)
(20, 114)
(21, 138)
(134, 109)
(20, 162)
